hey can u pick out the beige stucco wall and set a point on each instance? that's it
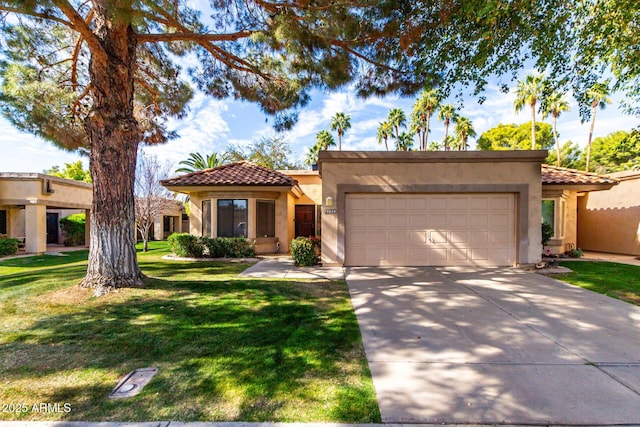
(28, 196)
(609, 221)
(562, 243)
(311, 185)
(430, 172)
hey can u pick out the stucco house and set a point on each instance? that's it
(610, 221)
(32, 204)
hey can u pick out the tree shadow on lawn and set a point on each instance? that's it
(246, 350)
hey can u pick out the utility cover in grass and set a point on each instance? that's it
(133, 383)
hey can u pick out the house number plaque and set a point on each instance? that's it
(330, 211)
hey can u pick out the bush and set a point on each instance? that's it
(547, 233)
(576, 253)
(185, 245)
(73, 227)
(304, 252)
(8, 246)
(228, 247)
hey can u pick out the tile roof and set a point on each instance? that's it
(558, 175)
(238, 173)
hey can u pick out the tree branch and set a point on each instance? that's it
(37, 15)
(80, 25)
(195, 37)
(76, 104)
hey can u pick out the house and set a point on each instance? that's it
(397, 208)
(610, 221)
(562, 191)
(32, 204)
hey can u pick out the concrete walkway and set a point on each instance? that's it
(603, 256)
(504, 346)
(281, 267)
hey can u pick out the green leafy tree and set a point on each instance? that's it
(571, 155)
(73, 171)
(385, 130)
(528, 92)
(340, 123)
(599, 98)
(555, 104)
(447, 114)
(398, 120)
(198, 162)
(272, 152)
(463, 130)
(423, 108)
(515, 137)
(103, 76)
(615, 152)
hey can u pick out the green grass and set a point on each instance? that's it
(227, 348)
(620, 281)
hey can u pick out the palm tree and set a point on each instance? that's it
(556, 104)
(385, 130)
(197, 162)
(397, 119)
(311, 157)
(463, 130)
(447, 114)
(422, 110)
(405, 141)
(340, 122)
(324, 140)
(599, 95)
(528, 92)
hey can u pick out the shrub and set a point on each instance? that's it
(547, 233)
(303, 252)
(228, 247)
(73, 227)
(8, 246)
(185, 245)
(576, 253)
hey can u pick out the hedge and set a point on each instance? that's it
(8, 246)
(73, 227)
(187, 245)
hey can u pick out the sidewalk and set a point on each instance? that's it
(603, 256)
(281, 267)
(225, 424)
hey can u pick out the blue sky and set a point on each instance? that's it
(211, 125)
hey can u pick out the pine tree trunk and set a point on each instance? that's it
(593, 122)
(113, 144)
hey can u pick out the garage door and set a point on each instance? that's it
(430, 229)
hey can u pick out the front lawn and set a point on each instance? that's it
(620, 281)
(227, 348)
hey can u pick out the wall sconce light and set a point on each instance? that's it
(328, 202)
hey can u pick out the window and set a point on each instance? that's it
(167, 224)
(553, 211)
(232, 218)
(206, 218)
(3, 222)
(265, 218)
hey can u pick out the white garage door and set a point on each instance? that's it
(430, 229)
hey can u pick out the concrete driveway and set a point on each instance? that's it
(461, 345)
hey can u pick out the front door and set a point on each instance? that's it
(52, 228)
(305, 220)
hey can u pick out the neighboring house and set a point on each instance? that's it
(173, 220)
(32, 204)
(610, 221)
(381, 208)
(562, 192)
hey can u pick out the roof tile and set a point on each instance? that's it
(558, 175)
(238, 173)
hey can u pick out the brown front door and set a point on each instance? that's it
(305, 220)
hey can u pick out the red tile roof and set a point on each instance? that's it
(558, 175)
(238, 173)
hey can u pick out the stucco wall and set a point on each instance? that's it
(609, 221)
(430, 172)
(311, 185)
(22, 188)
